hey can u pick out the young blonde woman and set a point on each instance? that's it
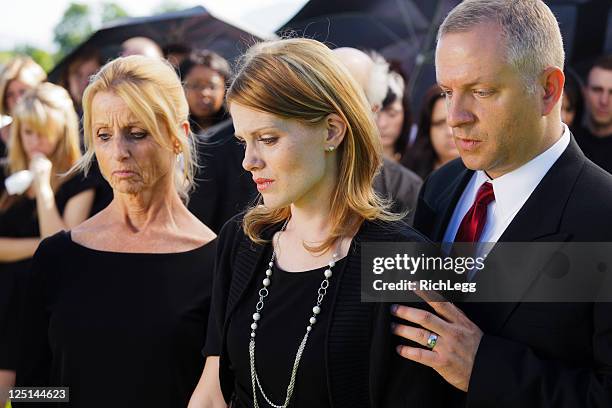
(16, 78)
(45, 141)
(117, 306)
(287, 326)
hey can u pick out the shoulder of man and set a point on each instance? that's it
(592, 191)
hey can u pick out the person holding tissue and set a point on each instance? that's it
(38, 201)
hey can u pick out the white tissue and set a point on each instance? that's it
(19, 182)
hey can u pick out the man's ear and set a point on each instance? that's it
(553, 81)
(336, 129)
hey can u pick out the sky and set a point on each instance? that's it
(22, 26)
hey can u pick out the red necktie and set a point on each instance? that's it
(474, 221)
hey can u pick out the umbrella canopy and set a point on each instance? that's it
(401, 30)
(194, 27)
(405, 30)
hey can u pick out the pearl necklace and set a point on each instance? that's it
(263, 292)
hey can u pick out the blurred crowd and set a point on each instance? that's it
(413, 145)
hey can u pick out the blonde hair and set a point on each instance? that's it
(48, 109)
(153, 93)
(21, 68)
(533, 40)
(301, 79)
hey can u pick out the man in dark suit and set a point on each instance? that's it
(521, 178)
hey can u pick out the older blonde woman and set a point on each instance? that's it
(45, 141)
(288, 327)
(119, 304)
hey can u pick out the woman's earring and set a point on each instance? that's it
(330, 148)
(177, 149)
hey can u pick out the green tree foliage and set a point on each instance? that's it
(6, 56)
(74, 27)
(112, 11)
(78, 23)
(42, 57)
(167, 6)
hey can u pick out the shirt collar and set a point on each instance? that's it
(513, 189)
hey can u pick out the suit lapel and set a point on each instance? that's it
(537, 221)
(448, 201)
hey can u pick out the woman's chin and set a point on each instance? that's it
(127, 187)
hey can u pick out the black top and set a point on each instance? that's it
(20, 220)
(598, 149)
(362, 368)
(286, 313)
(223, 187)
(119, 329)
(3, 153)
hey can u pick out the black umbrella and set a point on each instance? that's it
(194, 27)
(401, 30)
(405, 30)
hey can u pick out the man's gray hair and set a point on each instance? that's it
(531, 31)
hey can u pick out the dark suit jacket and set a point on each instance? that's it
(537, 354)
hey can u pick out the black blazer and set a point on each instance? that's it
(362, 367)
(537, 354)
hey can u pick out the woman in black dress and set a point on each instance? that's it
(287, 324)
(44, 144)
(123, 298)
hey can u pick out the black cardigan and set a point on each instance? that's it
(363, 369)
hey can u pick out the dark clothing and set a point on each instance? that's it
(597, 149)
(223, 187)
(20, 220)
(537, 354)
(119, 329)
(3, 163)
(400, 185)
(220, 117)
(361, 365)
(3, 148)
(104, 192)
(288, 307)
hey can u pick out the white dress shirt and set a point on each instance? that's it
(511, 192)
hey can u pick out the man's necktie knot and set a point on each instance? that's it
(474, 221)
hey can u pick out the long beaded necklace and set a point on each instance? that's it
(263, 292)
